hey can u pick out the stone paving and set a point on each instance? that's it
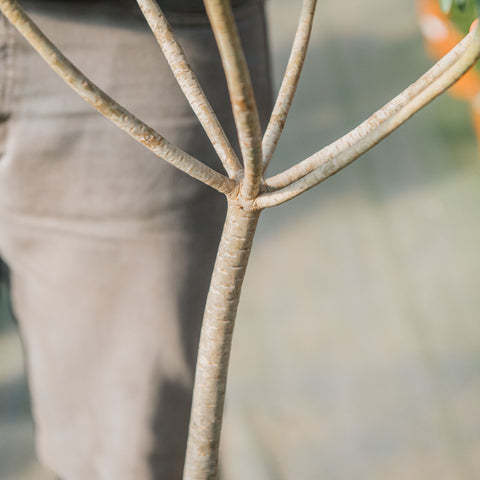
(357, 348)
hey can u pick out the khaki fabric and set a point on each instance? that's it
(110, 249)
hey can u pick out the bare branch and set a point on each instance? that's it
(190, 86)
(391, 108)
(241, 92)
(289, 82)
(108, 107)
(339, 154)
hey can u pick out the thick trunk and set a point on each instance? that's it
(215, 342)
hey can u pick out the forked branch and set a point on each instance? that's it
(339, 154)
(237, 237)
(241, 92)
(190, 85)
(289, 82)
(109, 107)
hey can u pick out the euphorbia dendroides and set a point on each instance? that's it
(246, 188)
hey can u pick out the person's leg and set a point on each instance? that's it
(110, 249)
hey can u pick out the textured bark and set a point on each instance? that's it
(109, 107)
(188, 82)
(344, 151)
(241, 93)
(245, 202)
(290, 81)
(215, 342)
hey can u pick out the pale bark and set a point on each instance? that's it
(109, 107)
(245, 205)
(215, 342)
(391, 108)
(188, 82)
(333, 158)
(241, 93)
(290, 81)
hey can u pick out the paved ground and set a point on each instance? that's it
(357, 351)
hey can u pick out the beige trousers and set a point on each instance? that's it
(110, 249)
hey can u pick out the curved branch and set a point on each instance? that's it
(391, 108)
(241, 92)
(339, 154)
(190, 86)
(107, 106)
(289, 82)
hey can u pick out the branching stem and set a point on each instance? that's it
(241, 93)
(190, 85)
(109, 107)
(339, 154)
(244, 205)
(289, 82)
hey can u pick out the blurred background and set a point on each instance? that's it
(357, 346)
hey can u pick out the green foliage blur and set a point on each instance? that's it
(448, 5)
(463, 16)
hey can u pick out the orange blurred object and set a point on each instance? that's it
(440, 37)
